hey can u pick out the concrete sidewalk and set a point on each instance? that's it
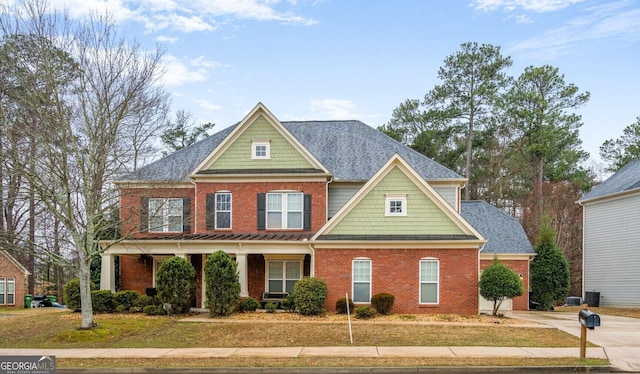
(294, 352)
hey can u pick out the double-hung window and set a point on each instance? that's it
(7, 291)
(284, 210)
(429, 281)
(361, 280)
(223, 210)
(282, 275)
(165, 215)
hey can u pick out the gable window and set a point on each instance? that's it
(395, 205)
(284, 210)
(429, 281)
(260, 150)
(223, 210)
(361, 280)
(282, 275)
(7, 291)
(165, 214)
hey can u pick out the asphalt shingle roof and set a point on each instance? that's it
(625, 179)
(350, 150)
(503, 232)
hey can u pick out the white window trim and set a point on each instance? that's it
(353, 281)
(3, 282)
(165, 214)
(284, 211)
(257, 143)
(284, 259)
(230, 210)
(420, 282)
(389, 198)
(11, 280)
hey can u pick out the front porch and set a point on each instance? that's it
(265, 268)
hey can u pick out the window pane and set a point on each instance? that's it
(362, 271)
(361, 293)
(223, 201)
(155, 223)
(223, 220)
(294, 220)
(428, 271)
(429, 293)
(11, 291)
(274, 220)
(274, 202)
(175, 207)
(395, 206)
(290, 284)
(293, 270)
(275, 270)
(2, 282)
(175, 223)
(294, 202)
(275, 285)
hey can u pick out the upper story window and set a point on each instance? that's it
(395, 205)
(223, 210)
(260, 150)
(165, 214)
(284, 210)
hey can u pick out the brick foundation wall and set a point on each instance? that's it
(520, 267)
(396, 271)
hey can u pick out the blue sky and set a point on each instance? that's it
(348, 59)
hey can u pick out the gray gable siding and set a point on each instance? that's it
(625, 179)
(504, 233)
(350, 150)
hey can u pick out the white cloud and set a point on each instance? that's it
(207, 105)
(600, 23)
(334, 109)
(178, 72)
(538, 6)
(187, 17)
(166, 39)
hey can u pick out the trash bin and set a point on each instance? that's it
(27, 300)
(52, 298)
(592, 298)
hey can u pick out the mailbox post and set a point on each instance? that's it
(588, 320)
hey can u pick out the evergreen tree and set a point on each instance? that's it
(223, 284)
(498, 283)
(550, 276)
(176, 283)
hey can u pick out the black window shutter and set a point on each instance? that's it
(211, 211)
(306, 225)
(186, 215)
(144, 214)
(262, 211)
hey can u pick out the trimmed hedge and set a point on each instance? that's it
(341, 306)
(249, 304)
(365, 312)
(382, 302)
(102, 301)
(125, 300)
(309, 295)
(71, 293)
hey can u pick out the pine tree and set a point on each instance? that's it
(550, 275)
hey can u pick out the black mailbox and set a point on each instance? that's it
(589, 319)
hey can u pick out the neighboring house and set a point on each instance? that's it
(611, 242)
(13, 281)
(507, 240)
(337, 200)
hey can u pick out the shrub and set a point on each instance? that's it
(71, 293)
(382, 302)
(176, 284)
(102, 301)
(125, 299)
(550, 275)
(123, 309)
(270, 307)
(249, 304)
(498, 283)
(145, 300)
(365, 312)
(309, 295)
(154, 310)
(222, 284)
(288, 304)
(341, 306)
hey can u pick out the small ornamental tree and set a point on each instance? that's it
(223, 284)
(498, 283)
(309, 295)
(176, 284)
(550, 275)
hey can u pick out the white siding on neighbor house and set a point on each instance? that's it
(612, 251)
(340, 193)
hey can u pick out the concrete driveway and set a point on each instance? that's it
(619, 336)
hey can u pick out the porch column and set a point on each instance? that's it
(107, 273)
(182, 255)
(241, 260)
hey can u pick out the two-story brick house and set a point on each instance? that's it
(331, 199)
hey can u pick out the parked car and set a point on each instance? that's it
(40, 301)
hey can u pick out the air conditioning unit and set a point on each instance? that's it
(574, 301)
